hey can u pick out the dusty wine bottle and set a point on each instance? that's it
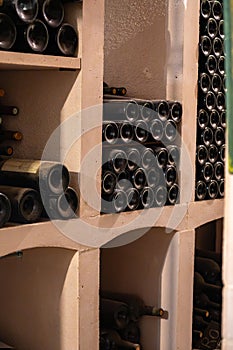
(170, 131)
(118, 160)
(134, 158)
(141, 131)
(133, 199)
(7, 32)
(120, 109)
(155, 177)
(160, 194)
(170, 175)
(123, 180)
(25, 203)
(8, 110)
(139, 179)
(114, 313)
(175, 111)
(208, 268)
(147, 111)
(161, 108)
(173, 194)
(148, 159)
(46, 176)
(5, 211)
(108, 183)
(157, 129)
(173, 155)
(114, 337)
(162, 156)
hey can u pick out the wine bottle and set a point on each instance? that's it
(32, 38)
(25, 203)
(221, 65)
(205, 45)
(7, 32)
(10, 135)
(63, 41)
(212, 153)
(160, 194)
(126, 132)
(137, 307)
(170, 131)
(208, 268)
(212, 28)
(133, 198)
(214, 119)
(108, 182)
(147, 197)
(162, 156)
(212, 64)
(23, 10)
(196, 336)
(114, 313)
(117, 160)
(223, 119)
(175, 111)
(141, 131)
(202, 301)
(221, 29)
(173, 194)
(8, 110)
(170, 175)
(206, 136)
(214, 292)
(63, 206)
(147, 111)
(139, 178)
(217, 47)
(219, 171)
(221, 188)
(173, 155)
(154, 177)
(217, 10)
(205, 9)
(210, 100)
(222, 152)
(201, 190)
(212, 189)
(119, 201)
(205, 82)
(161, 108)
(203, 118)
(148, 159)
(110, 132)
(123, 180)
(48, 176)
(219, 136)
(201, 312)
(6, 151)
(157, 129)
(120, 109)
(206, 172)
(53, 12)
(134, 158)
(114, 338)
(5, 211)
(202, 154)
(216, 83)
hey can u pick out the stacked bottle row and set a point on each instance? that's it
(207, 300)
(36, 26)
(140, 152)
(119, 320)
(6, 136)
(211, 116)
(31, 189)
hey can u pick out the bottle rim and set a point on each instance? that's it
(213, 189)
(203, 194)
(134, 205)
(156, 126)
(48, 20)
(59, 42)
(30, 42)
(109, 190)
(144, 198)
(126, 125)
(11, 23)
(23, 18)
(114, 126)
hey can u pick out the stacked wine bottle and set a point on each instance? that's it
(31, 189)
(207, 300)
(211, 114)
(119, 320)
(140, 152)
(36, 26)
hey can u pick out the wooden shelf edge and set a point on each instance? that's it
(202, 212)
(28, 61)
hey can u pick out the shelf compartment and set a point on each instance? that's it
(28, 61)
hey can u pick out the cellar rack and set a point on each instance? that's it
(55, 284)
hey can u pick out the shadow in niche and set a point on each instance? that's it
(136, 268)
(31, 294)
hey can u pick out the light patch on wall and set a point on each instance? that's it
(121, 25)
